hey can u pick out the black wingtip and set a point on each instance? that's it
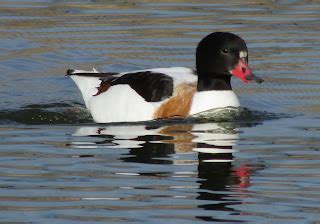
(70, 71)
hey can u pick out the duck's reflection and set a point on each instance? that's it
(212, 147)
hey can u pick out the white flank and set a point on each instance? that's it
(120, 104)
(206, 100)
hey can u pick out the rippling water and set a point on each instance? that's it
(57, 166)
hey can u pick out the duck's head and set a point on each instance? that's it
(224, 54)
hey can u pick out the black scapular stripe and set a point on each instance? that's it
(153, 87)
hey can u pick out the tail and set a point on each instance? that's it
(88, 81)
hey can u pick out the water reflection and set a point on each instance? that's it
(209, 147)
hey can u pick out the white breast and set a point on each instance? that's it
(206, 100)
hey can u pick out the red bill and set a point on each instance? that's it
(243, 72)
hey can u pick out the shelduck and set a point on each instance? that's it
(169, 92)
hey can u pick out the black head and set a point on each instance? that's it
(221, 55)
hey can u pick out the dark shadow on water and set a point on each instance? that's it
(149, 153)
(75, 113)
(53, 113)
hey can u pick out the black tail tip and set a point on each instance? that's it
(70, 71)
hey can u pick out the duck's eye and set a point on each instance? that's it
(225, 51)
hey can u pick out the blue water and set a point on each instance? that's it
(58, 166)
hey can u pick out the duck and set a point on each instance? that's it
(164, 93)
